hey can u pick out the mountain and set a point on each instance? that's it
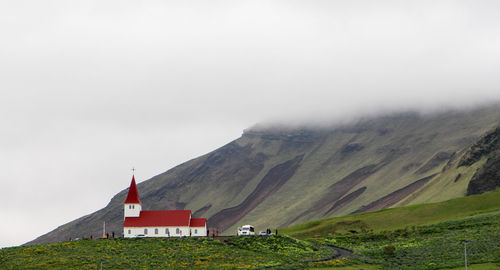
(279, 176)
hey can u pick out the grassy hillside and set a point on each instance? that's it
(473, 170)
(276, 177)
(429, 236)
(157, 253)
(400, 218)
(436, 246)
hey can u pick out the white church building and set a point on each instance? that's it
(167, 223)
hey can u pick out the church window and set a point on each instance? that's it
(133, 206)
(129, 232)
(195, 231)
(156, 231)
(167, 232)
(177, 231)
(129, 206)
(145, 231)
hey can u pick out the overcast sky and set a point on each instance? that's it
(90, 89)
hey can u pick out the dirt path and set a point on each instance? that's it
(342, 252)
(338, 253)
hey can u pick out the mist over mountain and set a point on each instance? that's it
(274, 176)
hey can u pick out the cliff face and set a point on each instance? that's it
(276, 177)
(487, 177)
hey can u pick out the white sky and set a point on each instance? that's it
(91, 88)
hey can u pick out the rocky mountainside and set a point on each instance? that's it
(488, 176)
(274, 177)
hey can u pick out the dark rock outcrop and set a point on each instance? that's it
(489, 143)
(274, 179)
(395, 196)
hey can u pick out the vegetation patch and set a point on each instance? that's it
(428, 247)
(165, 253)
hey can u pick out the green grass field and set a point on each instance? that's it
(427, 236)
(399, 218)
(482, 266)
(427, 247)
(162, 253)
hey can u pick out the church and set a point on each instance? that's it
(167, 223)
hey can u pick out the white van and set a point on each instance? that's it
(246, 230)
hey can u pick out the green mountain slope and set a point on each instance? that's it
(401, 217)
(275, 177)
(475, 168)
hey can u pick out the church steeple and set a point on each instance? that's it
(133, 195)
(132, 206)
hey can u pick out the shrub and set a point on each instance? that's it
(389, 250)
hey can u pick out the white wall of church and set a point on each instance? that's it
(129, 232)
(198, 231)
(132, 210)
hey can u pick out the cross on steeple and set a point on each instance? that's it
(133, 170)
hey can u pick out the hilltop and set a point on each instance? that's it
(276, 177)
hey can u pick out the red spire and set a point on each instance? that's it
(133, 195)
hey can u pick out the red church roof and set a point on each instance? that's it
(169, 218)
(133, 195)
(198, 222)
